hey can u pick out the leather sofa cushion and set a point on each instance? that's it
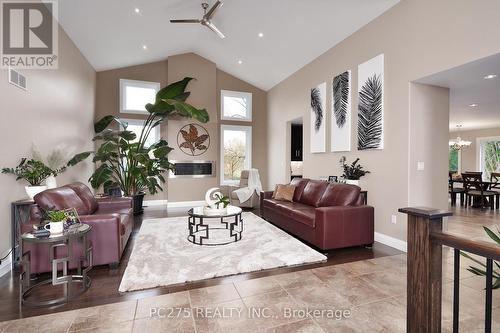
(60, 198)
(299, 184)
(305, 216)
(313, 192)
(86, 195)
(340, 195)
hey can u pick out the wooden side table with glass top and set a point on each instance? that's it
(76, 234)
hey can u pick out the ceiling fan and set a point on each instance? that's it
(206, 19)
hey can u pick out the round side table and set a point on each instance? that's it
(74, 235)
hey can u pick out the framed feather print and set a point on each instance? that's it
(341, 112)
(318, 109)
(371, 104)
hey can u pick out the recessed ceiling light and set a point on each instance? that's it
(261, 34)
(240, 62)
(490, 76)
(137, 10)
(473, 105)
(144, 47)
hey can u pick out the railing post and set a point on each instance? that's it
(424, 270)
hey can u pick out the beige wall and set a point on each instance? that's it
(205, 93)
(56, 111)
(428, 143)
(469, 154)
(418, 38)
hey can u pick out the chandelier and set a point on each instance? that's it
(458, 143)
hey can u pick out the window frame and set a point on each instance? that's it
(248, 149)
(240, 94)
(140, 122)
(124, 83)
(480, 151)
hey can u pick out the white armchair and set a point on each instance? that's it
(228, 190)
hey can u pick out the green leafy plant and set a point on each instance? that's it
(56, 215)
(482, 271)
(56, 159)
(221, 200)
(125, 159)
(353, 171)
(32, 171)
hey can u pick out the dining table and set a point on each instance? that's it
(487, 185)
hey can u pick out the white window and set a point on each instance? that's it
(236, 105)
(136, 126)
(134, 95)
(488, 155)
(236, 152)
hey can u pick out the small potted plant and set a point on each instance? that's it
(32, 171)
(56, 219)
(352, 172)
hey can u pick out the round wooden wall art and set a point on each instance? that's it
(193, 139)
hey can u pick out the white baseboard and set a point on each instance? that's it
(185, 204)
(6, 265)
(391, 241)
(177, 204)
(151, 203)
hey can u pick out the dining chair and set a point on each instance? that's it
(454, 191)
(476, 189)
(495, 187)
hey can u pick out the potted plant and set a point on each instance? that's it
(56, 160)
(56, 219)
(126, 160)
(352, 172)
(32, 171)
(481, 271)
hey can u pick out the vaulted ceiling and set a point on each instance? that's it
(111, 34)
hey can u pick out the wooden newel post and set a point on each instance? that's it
(424, 270)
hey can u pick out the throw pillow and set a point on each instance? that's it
(284, 192)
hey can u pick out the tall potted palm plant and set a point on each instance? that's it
(124, 158)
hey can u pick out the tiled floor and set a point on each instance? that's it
(352, 297)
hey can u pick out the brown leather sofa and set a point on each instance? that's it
(111, 220)
(328, 216)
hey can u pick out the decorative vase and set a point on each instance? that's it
(214, 211)
(51, 182)
(352, 182)
(138, 200)
(31, 191)
(55, 228)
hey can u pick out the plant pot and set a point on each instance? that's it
(352, 182)
(137, 201)
(31, 191)
(51, 182)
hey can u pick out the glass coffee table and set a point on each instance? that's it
(215, 229)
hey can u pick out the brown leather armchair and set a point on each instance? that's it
(111, 220)
(329, 216)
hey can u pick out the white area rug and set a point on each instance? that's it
(163, 256)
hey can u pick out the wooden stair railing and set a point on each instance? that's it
(424, 274)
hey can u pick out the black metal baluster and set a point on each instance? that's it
(456, 290)
(489, 282)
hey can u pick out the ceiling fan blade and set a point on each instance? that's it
(185, 21)
(212, 10)
(212, 27)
